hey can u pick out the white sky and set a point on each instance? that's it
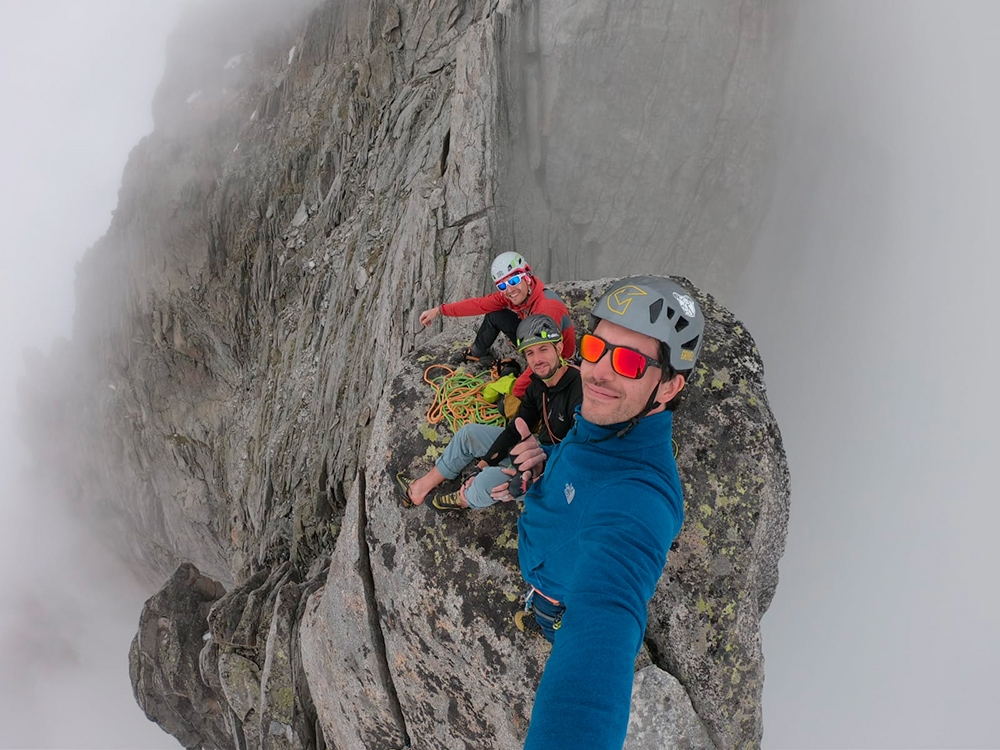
(77, 85)
(871, 299)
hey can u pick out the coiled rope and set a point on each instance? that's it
(458, 399)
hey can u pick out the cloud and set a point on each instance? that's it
(870, 296)
(77, 95)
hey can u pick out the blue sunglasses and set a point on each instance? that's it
(511, 281)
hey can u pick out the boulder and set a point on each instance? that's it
(222, 670)
(662, 715)
(164, 665)
(447, 585)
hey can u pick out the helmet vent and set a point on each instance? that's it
(654, 310)
(658, 307)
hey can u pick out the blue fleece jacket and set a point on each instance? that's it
(594, 534)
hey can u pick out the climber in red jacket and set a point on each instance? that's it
(519, 294)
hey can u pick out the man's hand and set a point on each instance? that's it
(427, 316)
(528, 455)
(501, 493)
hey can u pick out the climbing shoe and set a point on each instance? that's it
(466, 357)
(449, 501)
(504, 367)
(527, 624)
(403, 483)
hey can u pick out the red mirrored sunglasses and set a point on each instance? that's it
(627, 362)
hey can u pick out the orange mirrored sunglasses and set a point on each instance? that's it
(628, 363)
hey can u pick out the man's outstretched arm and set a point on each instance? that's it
(585, 693)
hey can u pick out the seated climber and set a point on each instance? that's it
(519, 294)
(552, 396)
(598, 523)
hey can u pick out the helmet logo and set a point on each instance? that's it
(687, 304)
(620, 299)
(507, 263)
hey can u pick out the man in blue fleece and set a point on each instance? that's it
(597, 524)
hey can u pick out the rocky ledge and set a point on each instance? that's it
(411, 640)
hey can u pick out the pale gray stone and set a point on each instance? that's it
(662, 717)
(278, 705)
(343, 650)
(301, 216)
(240, 683)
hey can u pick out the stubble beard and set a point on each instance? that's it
(545, 372)
(607, 412)
(598, 411)
(515, 297)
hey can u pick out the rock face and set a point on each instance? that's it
(662, 715)
(412, 639)
(222, 670)
(644, 136)
(449, 585)
(163, 661)
(320, 173)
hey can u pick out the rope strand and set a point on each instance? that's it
(458, 399)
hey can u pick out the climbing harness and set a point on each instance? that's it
(548, 615)
(458, 399)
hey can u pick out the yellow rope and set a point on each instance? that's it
(458, 399)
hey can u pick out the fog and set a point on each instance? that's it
(77, 85)
(871, 298)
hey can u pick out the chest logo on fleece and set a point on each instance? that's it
(570, 493)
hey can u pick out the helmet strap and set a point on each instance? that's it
(562, 363)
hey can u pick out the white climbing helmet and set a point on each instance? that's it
(507, 263)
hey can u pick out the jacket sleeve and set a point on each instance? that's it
(475, 305)
(584, 696)
(520, 387)
(530, 412)
(553, 306)
(569, 342)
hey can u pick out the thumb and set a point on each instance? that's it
(522, 428)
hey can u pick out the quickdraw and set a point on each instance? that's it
(458, 399)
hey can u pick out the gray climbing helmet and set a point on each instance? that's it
(660, 308)
(537, 329)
